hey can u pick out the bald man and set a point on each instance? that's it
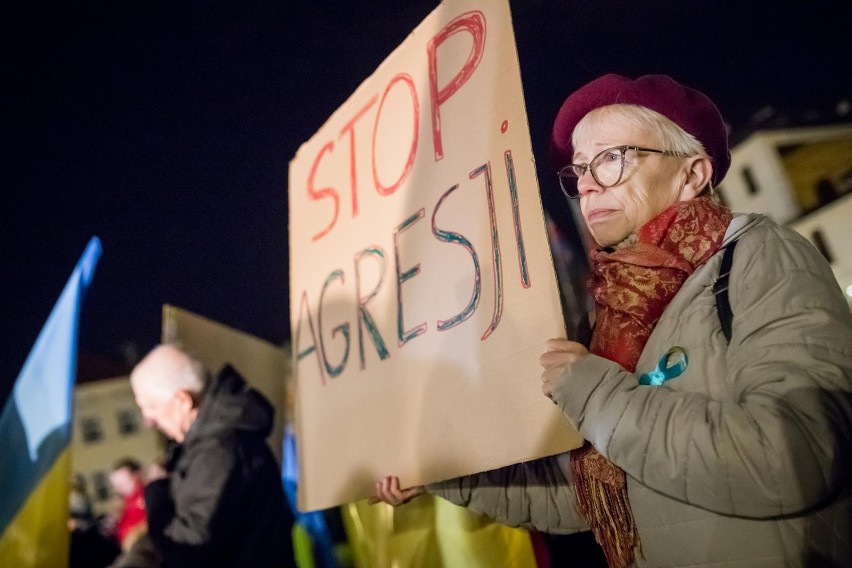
(222, 503)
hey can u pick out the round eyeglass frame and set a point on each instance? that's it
(569, 178)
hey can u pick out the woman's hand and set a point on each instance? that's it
(388, 491)
(558, 355)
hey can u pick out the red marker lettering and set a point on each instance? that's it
(415, 104)
(474, 24)
(317, 194)
(349, 128)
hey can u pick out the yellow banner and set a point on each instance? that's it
(38, 536)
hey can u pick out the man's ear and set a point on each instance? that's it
(185, 400)
(699, 171)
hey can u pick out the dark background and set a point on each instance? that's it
(166, 129)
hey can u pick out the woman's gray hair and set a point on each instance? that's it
(666, 133)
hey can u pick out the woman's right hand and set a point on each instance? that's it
(388, 491)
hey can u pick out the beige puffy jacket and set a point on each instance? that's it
(743, 460)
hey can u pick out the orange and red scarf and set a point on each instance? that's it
(632, 286)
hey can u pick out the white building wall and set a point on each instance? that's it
(108, 426)
(772, 193)
(832, 226)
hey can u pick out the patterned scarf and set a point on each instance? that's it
(631, 287)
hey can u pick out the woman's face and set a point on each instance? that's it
(650, 184)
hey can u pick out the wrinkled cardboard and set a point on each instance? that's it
(422, 286)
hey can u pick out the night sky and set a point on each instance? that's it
(166, 129)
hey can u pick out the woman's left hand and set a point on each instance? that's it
(389, 491)
(558, 355)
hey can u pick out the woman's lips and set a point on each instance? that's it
(598, 215)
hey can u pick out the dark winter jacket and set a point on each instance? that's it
(223, 503)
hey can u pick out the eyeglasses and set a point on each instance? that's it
(607, 168)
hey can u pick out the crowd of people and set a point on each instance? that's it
(714, 393)
(118, 537)
(218, 498)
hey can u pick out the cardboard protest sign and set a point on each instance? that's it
(422, 287)
(263, 365)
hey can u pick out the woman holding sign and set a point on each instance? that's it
(716, 393)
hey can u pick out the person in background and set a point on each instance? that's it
(127, 482)
(81, 515)
(219, 502)
(715, 435)
(89, 547)
(131, 526)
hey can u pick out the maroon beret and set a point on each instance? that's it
(691, 110)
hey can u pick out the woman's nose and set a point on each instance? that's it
(587, 183)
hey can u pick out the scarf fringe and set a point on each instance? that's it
(600, 489)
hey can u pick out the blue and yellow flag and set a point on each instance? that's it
(35, 435)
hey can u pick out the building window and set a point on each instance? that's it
(100, 483)
(91, 428)
(128, 422)
(826, 192)
(751, 184)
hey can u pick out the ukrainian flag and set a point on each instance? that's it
(35, 436)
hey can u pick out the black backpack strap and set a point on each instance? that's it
(720, 290)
